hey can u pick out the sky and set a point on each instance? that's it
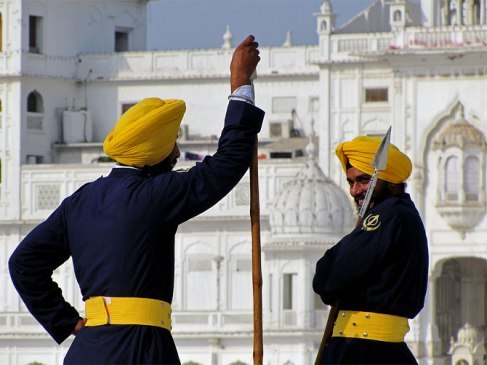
(189, 24)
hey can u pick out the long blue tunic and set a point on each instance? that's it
(381, 267)
(119, 231)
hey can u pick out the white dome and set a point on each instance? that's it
(467, 334)
(326, 7)
(311, 203)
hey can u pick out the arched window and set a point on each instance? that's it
(1, 122)
(397, 16)
(471, 178)
(35, 103)
(201, 285)
(323, 26)
(241, 282)
(453, 17)
(452, 178)
(1, 33)
(460, 151)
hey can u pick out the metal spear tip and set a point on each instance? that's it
(380, 159)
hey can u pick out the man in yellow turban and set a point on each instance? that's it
(356, 158)
(119, 230)
(376, 276)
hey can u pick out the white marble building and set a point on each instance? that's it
(420, 67)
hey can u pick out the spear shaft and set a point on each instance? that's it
(256, 251)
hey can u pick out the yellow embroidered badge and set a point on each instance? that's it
(371, 223)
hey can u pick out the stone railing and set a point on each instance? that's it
(37, 64)
(447, 37)
(193, 63)
(44, 186)
(207, 63)
(183, 322)
(203, 321)
(349, 47)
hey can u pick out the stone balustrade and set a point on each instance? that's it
(43, 187)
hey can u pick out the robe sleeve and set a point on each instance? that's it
(206, 183)
(31, 267)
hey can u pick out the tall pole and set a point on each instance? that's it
(256, 253)
(256, 258)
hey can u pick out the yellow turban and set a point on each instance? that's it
(361, 151)
(146, 133)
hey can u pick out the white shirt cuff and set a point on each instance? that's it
(243, 93)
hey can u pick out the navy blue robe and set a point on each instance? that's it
(119, 231)
(382, 268)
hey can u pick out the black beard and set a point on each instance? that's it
(380, 194)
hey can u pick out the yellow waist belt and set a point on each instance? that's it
(141, 311)
(370, 326)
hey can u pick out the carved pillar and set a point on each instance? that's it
(432, 340)
(460, 19)
(470, 12)
(445, 12)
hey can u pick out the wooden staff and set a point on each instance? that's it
(256, 257)
(256, 249)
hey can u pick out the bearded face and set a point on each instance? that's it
(359, 182)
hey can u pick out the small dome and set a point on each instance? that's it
(459, 133)
(326, 7)
(311, 203)
(467, 334)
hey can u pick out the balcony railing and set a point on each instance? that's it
(44, 186)
(347, 47)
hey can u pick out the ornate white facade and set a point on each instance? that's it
(68, 68)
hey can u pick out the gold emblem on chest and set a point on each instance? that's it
(371, 223)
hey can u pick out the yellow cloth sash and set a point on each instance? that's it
(371, 326)
(129, 311)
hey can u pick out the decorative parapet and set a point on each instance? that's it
(39, 65)
(44, 186)
(447, 37)
(204, 63)
(353, 47)
(275, 61)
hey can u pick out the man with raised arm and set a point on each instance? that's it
(119, 230)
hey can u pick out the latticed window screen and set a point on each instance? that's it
(289, 299)
(242, 194)
(241, 283)
(200, 283)
(47, 197)
(34, 123)
(471, 179)
(199, 264)
(283, 104)
(452, 178)
(243, 265)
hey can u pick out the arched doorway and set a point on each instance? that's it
(460, 297)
